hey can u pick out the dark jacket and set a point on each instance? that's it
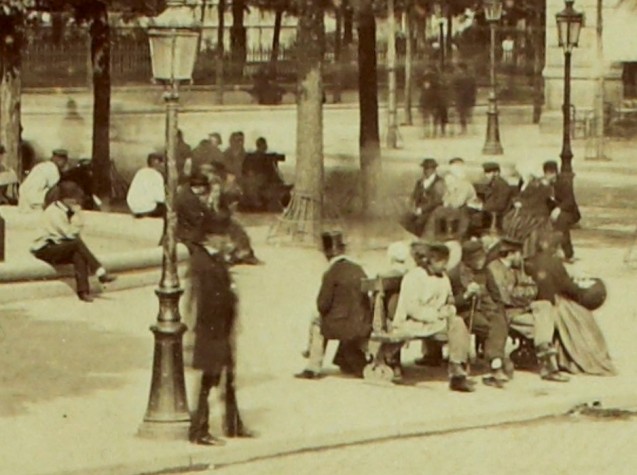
(345, 310)
(205, 153)
(511, 290)
(216, 306)
(551, 278)
(564, 197)
(194, 219)
(464, 91)
(497, 196)
(536, 199)
(430, 198)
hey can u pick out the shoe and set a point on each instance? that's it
(461, 384)
(494, 381)
(244, 433)
(431, 361)
(556, 377)
(251, 260)
(209, 440)
(85, 297)
(307, 374)
(107, 278)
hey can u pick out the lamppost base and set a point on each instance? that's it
(492, 145)
(176, 430)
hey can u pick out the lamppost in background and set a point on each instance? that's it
(174, 38)
(440, 15)
(492, 145)
(569, 24)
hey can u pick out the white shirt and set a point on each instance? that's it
(421, 297)
(146, 191)
(39, 181)
(57, 226)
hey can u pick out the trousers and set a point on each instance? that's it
(72, 251)
(350, 356)
(537, 325)
(563, 224)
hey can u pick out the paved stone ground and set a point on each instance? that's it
(75, 377)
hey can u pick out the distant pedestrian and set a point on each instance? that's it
(433, 102)
(208, 152)
(464, 88)
(235, 154)
(146, 195)
(44, 176)
(60, 241)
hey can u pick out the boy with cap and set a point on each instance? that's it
(475, 305)
(345, 314)
(61, 243)
(497, 196)
(44, 176)
(564, 213)
(427, 196)
(515, 293)
(425, 309)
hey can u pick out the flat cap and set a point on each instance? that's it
(550, 166)
(61, 152)
(490, 167)
(429, 163)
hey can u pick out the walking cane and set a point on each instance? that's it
(474, 303)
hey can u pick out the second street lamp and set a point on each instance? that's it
(174, 36)
(492, 145)
(569, 24)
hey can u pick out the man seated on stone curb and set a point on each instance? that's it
(514, 292)
(44, 176)
(146, 196)
(425, 309)
(60, 241)
(344, 313)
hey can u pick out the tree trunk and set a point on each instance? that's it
(409, 73)
(348, 23)
(600, 96)
(11, 40)
(369, 140)
(309, 132)
(392, 107)
(221, 9)
(538, 65)
(449, 40)
(238, 37)
(276, 39)
(101, 66)
(338, 54)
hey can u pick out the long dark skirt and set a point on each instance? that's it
(581, 345)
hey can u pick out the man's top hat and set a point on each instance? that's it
(332, 241)
(471, 249)
(490, 167)
(60, 152)
(429, 163)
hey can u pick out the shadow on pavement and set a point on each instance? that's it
(44, 360)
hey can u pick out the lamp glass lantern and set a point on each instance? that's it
(569, 25)
(174, 39)
(493, 10)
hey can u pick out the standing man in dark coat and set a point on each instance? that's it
(216, 311)
(565, 213)
(497, 196)
(464, 88)
(427, 196)
(345, 314)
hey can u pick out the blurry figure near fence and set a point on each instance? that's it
(465, 90)
(433, 103)
(72, 131)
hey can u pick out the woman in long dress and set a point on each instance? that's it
(530, 216)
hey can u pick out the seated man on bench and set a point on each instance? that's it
(425, 309)
(344, 313)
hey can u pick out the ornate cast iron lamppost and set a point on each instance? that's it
(492, 145)
(569, 24)
(173, 39)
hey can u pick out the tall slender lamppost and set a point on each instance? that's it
(492, 145)
(569, 24)
(173, 37)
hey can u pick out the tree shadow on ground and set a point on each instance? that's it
(44, 360)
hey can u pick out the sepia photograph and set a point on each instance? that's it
(318, 237)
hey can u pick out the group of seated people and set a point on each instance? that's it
(493, 291)
(539, 203)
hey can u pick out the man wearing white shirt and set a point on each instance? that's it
(40, 180)
(146, 195)
(425, 308)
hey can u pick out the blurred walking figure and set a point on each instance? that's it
(206, 153)
(147, 195)
(72, 131)
(433, 102)
(44, 176)
(60, 241)
(235, 154)
(465, 89)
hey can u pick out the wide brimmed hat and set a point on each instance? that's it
(332, 241)
(429, 163)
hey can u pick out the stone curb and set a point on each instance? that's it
(207, 459)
